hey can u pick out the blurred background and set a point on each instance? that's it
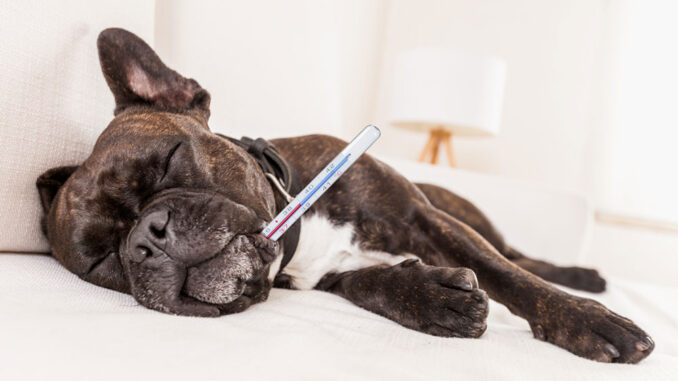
(590, 95)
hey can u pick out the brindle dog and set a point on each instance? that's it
(171, 213)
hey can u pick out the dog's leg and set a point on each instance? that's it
(582, 326)
(578, 278)
(392, 215)
(575, 277)
(441, 301)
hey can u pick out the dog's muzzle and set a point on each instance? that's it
(213, 243)
(223, 278)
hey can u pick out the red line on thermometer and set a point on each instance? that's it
(283, 221)
(329, 175)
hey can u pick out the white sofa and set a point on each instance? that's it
(55, 326)
(53, 105)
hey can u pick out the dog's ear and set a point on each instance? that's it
(136, 75)
(49, 183)
(108, 271)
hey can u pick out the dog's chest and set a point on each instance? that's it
(327, 248)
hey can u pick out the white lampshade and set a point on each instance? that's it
(449, 89)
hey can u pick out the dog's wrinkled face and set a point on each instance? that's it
(162, 208)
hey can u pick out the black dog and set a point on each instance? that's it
(170, 212)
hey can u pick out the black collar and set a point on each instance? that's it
(270, 161)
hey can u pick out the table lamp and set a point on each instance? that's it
(446, 92)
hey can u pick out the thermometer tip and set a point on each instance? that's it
(374, 129)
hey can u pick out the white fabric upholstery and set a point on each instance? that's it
(54, 101)
(54, 326)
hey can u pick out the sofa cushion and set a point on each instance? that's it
(55, 326)
(54, 101)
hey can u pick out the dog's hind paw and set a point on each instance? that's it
(580, 278)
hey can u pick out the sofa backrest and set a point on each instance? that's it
(53, 99)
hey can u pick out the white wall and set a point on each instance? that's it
(552, 53)
(276, 68)
(268, 65)
(637, 149)
(590, 95)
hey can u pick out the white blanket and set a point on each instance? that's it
(55, 326)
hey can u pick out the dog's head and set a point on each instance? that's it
(162, 208)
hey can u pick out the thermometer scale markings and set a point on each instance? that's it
(310, 195)
(323, 181)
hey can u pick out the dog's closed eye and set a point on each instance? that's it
(168, 160)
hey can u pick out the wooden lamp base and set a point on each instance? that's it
(437, 137)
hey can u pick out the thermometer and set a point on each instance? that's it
(323, 180)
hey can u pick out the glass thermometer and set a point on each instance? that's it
(323, 180)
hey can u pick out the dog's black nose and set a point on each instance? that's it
(157, 224)
(150, 236)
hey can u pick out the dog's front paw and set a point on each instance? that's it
(588, 329)
(443, 301)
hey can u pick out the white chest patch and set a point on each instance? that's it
(326, 248)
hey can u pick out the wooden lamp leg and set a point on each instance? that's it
(426, 152)
(436, 138)
(436, 146)
(448, 148)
